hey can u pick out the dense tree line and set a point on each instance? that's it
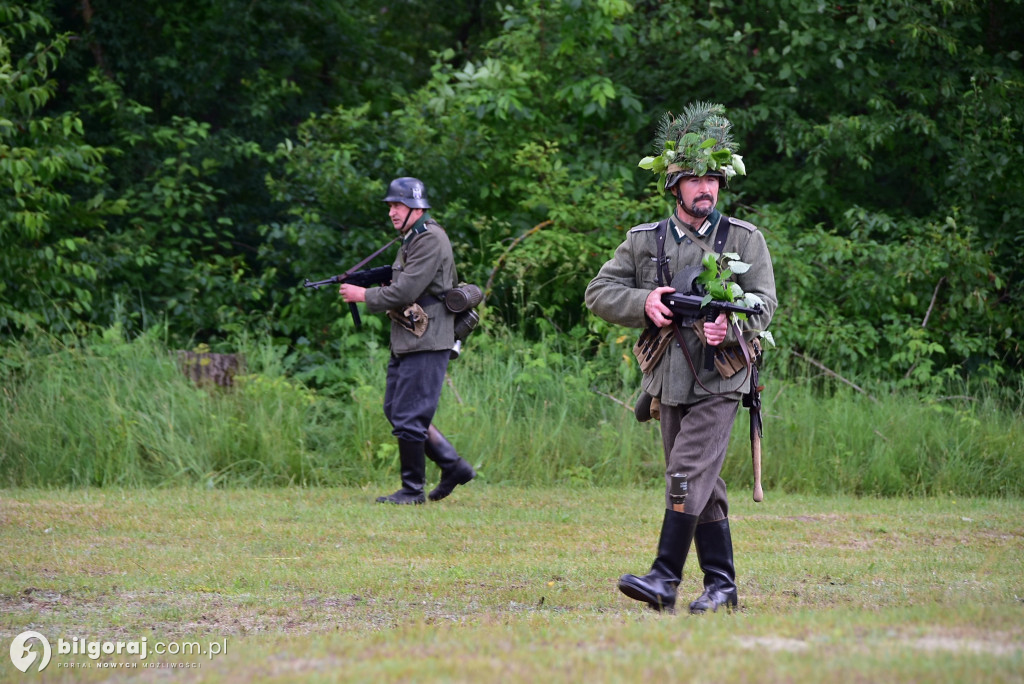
(192, 162)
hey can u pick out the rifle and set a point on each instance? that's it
(689, 304)
(353, 276)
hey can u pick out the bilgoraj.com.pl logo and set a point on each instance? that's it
(31, 649)
(23, 654)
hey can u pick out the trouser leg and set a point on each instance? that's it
(411, 393)
(696, 438)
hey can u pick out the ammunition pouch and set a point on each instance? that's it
(729, 360)
(651, 346)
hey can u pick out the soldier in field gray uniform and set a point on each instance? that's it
(422, 338)
(697, 406)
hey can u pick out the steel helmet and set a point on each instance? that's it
(408, 191)
(673, 176)
(697, 143)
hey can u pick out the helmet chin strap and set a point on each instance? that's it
(405, 221)
(679, 199)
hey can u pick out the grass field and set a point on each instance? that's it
(504, 584)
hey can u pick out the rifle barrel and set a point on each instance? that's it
(318, 284)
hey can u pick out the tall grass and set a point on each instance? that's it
(111, 411)
(531, 414)
(892, 445)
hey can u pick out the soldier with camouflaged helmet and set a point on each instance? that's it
(422, 339)
(696, 406)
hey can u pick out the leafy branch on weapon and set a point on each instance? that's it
(717, 286)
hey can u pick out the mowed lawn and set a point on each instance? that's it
(502, 584)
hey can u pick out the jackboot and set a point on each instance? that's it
(410, 457)
(454, 470)
(658, 587)
(713, 542)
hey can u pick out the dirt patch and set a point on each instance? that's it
(959, 645)
(991, 644)
(773, 644)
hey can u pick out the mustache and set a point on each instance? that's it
(707, 197)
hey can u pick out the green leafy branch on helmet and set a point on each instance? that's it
(699, 141)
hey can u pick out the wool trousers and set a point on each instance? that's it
(412, 391)
(695, 438)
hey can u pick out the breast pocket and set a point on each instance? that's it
(647, 275)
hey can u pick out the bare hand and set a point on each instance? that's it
(659, 314)
(352, 293)
(714, 332)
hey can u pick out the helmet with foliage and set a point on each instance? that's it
(698, 142)
(408, 191)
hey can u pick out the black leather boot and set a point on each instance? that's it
(713, 542)
(454, 470)
(410, 456)
(658, 587)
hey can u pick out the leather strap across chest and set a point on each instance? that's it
(721, 235)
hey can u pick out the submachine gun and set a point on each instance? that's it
(690, 303)
(380, 275)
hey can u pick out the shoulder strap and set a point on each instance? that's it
(664, 275)
(720, 237)
(723, 233)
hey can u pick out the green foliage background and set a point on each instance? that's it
(116, 412)
(188, 163)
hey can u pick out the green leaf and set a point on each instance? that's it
(751, 300)
(739, 267)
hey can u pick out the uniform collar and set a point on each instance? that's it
(705, 228)
(416, 228)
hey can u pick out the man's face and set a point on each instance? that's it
(698, 195)
(399, 215)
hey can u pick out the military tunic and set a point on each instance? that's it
(423, 271)
(695, 422)
(619, 291)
